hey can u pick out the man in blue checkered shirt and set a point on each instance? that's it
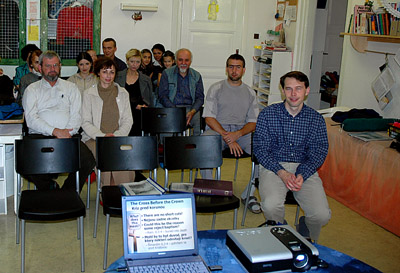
(291, 143)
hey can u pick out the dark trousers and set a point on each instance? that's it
(47, 181)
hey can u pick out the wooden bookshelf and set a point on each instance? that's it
(360, 41)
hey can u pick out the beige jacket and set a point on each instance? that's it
(92, 107)
(82, 83)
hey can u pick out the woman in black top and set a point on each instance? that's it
(147, 63)
(138, 86)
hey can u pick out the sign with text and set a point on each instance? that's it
(159, 225)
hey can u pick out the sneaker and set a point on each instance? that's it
(302, 228)
(254, 206)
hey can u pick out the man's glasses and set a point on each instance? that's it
(52, 65)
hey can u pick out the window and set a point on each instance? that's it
(9, 31)
(69, 28)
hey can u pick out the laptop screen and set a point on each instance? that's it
(156, 226)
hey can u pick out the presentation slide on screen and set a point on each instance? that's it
(159, 225)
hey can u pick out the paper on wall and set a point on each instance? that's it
(381, 87)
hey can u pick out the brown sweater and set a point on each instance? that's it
(110, 114)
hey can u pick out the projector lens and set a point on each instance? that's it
(301, 260)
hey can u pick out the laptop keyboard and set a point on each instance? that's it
(197, 267)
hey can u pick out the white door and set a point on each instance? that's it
(211, 41)
(317, 57)
(334, 42)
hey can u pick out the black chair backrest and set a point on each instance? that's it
(47, 155)
(163, 120)
(126, 153)
(192, 152)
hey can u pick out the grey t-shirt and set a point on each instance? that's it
(231, 104)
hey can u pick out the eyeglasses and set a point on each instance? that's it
(52, 65)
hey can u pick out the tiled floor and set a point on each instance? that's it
(54, 247)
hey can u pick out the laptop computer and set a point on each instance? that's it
(161, 230)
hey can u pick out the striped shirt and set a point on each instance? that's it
(280, 137)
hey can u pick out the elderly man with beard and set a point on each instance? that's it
(53, 108)
(182, 86)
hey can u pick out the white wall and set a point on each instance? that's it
(358, 70)
(260, 17)
(157, 27)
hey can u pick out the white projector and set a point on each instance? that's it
(272, 248)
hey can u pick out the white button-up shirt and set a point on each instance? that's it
(48, 107)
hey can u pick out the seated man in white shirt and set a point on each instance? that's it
(53, 108)
(231, 110)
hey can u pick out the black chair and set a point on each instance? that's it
(158, 121)
(289, 196)
(48, 156)
(120, 154)
(227, 154)
(199, 152)
(163, 120)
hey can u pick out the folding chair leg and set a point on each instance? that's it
(96, 213)
(88, 192)
(82, 244)
(17, 228)
(236, 169)
(249, 186)
(22, 246)
(296, 219)
(17, 220)
(235, 219)
(213, 221)
(78, 230)
(106, 241)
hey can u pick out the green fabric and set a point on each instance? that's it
(367, 124)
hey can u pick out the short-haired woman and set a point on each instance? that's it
(106, 112)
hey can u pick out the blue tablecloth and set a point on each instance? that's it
(213, 250)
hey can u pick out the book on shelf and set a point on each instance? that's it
(350, 28)
(204, 187)
(360, 19)
(144, 187)
(276, 48)
(379, 22)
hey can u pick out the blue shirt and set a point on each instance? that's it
(20, 71)
(170, 84)
(280, 137)
(183, 96)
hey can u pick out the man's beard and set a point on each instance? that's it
(51, 78)
(183, 70)
(235, 79)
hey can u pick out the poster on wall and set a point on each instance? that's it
(33, 20)
(381, 87)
